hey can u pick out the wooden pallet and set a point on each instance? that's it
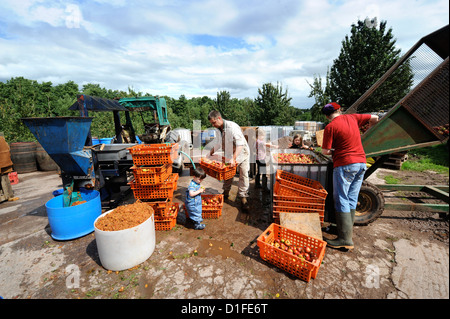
(395, 160)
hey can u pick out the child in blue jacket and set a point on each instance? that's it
(193, 201)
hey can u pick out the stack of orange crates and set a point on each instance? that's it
(154, 183)
(297, 194)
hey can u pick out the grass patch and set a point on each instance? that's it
(433, 158)
(389, 179)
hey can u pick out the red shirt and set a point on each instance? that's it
(342, 135)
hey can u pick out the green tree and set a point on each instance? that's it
(320, 93)
(273, 106)
(19, 98)
(365, 56)
(223, 104)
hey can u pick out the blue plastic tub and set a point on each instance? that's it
(105, 140)
(95, 141)
(76, 221)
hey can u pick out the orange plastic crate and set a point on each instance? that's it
(209, 211)
(298, 179)
(151, 175)
(212, 210)
(153, 154)
(301, 184)
(220, 174)
(160, 206)
(163, 190)
(299, 191)
(13, 178)
(297, 209)
(167, 223)
(286, 261)
(300, 205)
(279, 200)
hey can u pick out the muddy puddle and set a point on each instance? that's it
(213, 248)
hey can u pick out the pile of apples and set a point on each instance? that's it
(363, 128)
(443, 129)
(304, 253)
(215, 163)
(214, 201)
(292, 158)
(172, 210)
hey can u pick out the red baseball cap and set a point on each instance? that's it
(330, 108)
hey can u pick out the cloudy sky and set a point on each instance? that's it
(195, 47)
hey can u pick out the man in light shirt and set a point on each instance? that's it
(235, 150)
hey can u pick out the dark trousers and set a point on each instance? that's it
(261, 170)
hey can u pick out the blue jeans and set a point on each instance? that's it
(347, 181)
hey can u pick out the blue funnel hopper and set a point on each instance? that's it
(63, 138)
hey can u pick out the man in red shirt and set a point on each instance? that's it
(342, 140)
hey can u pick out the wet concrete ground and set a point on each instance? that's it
(389, 261)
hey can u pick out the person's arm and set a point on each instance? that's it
(236, 154)
(327, 142)
(373, 120)
(195, 193)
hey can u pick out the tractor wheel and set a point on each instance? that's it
(370, 204)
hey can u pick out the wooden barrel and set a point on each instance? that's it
(23, 156)
(44, 161)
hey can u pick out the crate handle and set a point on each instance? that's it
(266, 234)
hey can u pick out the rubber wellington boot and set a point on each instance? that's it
(345, 232)
(352, 212)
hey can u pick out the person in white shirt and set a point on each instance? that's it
(236, 150)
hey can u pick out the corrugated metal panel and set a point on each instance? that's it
(96, 104)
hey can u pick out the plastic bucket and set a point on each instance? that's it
(75, 221)
(124, 249)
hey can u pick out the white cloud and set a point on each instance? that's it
(150, 45)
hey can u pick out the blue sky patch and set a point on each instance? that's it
(219, 42)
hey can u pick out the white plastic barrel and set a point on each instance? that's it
(124, 249)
